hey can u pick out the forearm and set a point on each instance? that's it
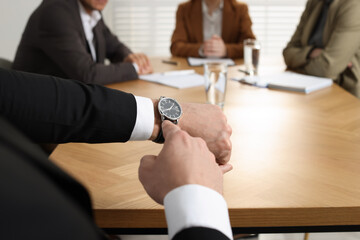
(53, 110)
(234, 50)
(98, 73)
(296, 57)
(182, 49)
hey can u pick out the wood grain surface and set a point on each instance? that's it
(296, 158)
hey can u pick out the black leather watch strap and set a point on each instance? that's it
(160, 137)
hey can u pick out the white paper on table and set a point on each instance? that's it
(288, 81)
(201, 61)
(176, 81)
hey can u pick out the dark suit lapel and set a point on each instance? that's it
(227, 21)
(196, 20)
(78, 21)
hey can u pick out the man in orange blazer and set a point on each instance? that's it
(211, 28)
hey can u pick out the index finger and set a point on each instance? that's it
(169, 128)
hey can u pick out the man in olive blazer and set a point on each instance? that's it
(55, 42)
(188, 35)
(339, 58)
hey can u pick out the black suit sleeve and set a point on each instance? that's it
(54, 110)
(61, 42)
(199, 233)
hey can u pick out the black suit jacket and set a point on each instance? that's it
(54, 43)
(38, 200)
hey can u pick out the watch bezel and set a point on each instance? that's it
(163, 115)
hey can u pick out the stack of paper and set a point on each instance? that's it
(177, 79)
(289, 81)
(201, 61)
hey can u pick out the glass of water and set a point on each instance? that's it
(215, 83)
(251, 56)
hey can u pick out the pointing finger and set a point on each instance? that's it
(169, 128)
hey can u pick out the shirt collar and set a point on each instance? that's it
(205, 8)
(91, 19)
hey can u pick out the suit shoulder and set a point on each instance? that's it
(58, 7)
(239, 6)
(57, 13)
(238, 3)
(50, 4)
(186, 5)
(350, 4)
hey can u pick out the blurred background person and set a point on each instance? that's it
(69, 39)
(326, 43)
(211, 28)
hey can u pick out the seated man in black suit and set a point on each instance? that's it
(39, 200)
(69, 39)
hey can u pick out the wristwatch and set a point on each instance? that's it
(169, 109)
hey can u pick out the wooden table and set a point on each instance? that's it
(296, 161)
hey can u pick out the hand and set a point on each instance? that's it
(183, 160)
(205, 121)
(142, 61)
(350, 65)
(315, 52)
(208, 122)
(214, 47)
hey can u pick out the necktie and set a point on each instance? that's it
(317, 34)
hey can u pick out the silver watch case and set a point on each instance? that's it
(169, 109)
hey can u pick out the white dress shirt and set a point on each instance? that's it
(212, 24)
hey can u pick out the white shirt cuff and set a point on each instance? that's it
(144, 124)
(196, 206)
(136, 67)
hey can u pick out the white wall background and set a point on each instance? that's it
(13, 17)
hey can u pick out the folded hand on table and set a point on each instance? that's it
(318, 51)
(214, 47)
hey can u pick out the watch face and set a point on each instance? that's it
(170, 108)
